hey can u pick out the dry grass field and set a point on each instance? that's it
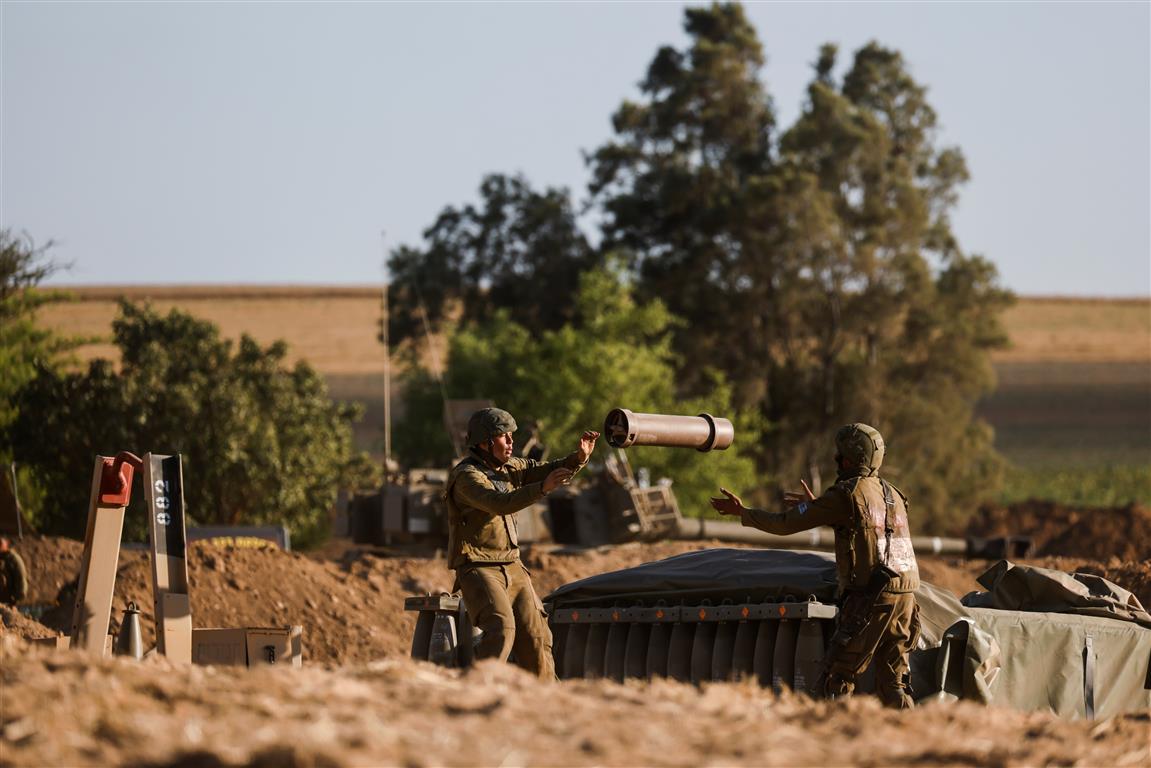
(1074, 385)
(334, 327)
(1070, 330)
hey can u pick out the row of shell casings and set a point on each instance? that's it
(776, 652)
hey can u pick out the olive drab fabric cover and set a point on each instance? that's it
(1074, 666)
(1030, 588)
(716, 574)
(1071, 656)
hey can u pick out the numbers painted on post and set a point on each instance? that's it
(162, 502)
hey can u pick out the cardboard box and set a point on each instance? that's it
(248, 646)
(275, 646)
(220, 647)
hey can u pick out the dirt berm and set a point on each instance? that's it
(360, 701)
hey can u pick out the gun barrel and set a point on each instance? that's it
(704, 432)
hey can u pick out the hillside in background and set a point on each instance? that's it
(1072, 412)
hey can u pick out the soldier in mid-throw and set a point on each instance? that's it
(484, 491)
(875, 563)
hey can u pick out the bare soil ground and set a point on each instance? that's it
(360, 701)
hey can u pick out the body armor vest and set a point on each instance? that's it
(878, 534)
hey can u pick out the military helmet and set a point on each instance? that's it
(487, 423)
(861, 445)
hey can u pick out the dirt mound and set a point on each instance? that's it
(351, 608)
(350, 611)
(16, 624)
(1059, 531)
(67, 709)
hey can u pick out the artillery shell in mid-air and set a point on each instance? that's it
(704, 432)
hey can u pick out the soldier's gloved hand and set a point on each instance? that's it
(556, 478)
(732, 505)
(587, 445)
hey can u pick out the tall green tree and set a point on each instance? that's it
(679, 181)
(615, 353)
(262, 443)
(905, 319)
(518, 250)
(816, 267)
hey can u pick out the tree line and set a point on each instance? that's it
(811, 269)
(792, 278)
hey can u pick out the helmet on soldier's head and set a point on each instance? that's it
(861, 445)
(488, 423)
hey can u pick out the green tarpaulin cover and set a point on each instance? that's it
(1075, 645)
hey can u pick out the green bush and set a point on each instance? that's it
(261, 443)
(616, 354)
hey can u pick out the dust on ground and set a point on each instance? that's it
(360, 701)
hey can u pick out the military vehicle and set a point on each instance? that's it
(1037, 639)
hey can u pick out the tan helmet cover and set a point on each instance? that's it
(861, 445)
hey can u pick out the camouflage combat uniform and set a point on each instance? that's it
(13, 578)
(868, 535)
(483, 549)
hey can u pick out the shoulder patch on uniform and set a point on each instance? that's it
(802, 508)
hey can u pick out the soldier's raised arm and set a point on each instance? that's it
(800, 514)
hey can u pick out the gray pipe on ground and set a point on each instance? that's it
(704, 432)
(816, 538)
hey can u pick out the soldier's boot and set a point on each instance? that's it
(896, 698)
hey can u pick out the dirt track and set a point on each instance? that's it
(360, 701)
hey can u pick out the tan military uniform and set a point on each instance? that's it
(483, 549)
(855, 507)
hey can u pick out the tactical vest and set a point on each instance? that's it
(476, 536)
(877, 535)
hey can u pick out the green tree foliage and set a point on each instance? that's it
(616, 353)
(23, 344)
(519, 250)
(679, 182)
(816, 268)
(262, 443)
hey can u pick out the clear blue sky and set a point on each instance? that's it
(272, 142)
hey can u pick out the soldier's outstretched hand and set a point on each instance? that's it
(729, 505)
(556, 478)
(587, 444)
(793, 498)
